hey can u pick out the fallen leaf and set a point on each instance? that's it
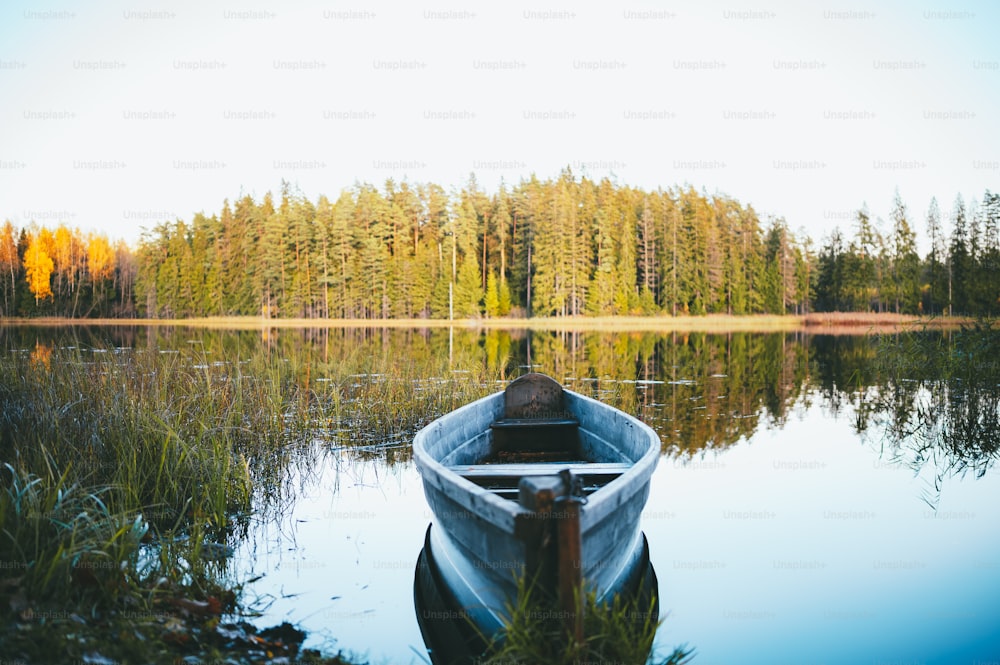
(198, 607)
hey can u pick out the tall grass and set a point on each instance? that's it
(130, 468)
(194, 428)
(190, 439)
(121, 466)
(53, 536)
(381, 401)
(157, 435)
(127, 470)
(619, 631)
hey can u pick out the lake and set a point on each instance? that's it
(796, 515)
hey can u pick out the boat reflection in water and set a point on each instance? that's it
(537, 481)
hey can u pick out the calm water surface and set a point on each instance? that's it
(796, 545)
(786, 523)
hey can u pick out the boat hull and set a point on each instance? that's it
(447, 600)
(476, 549)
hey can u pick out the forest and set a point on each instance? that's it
(557, 247)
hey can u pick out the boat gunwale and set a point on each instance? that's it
(440, 476)
(602, 502)
(503, 513)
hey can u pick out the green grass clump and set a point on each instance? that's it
(81, 583)
(125, 471)
(620, 631)
(159, 435)
(57, 537)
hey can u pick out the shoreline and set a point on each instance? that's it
(816, 323)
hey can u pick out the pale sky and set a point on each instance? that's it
(118, 115)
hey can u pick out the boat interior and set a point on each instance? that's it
(538, 436)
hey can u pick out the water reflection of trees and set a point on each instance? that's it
(934, 400)
(697, 390)
(368, 389)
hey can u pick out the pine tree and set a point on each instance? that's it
(647, 269)
(561, 246)
(672, 255)
(990, 286)
(601, 295)
(936, 289)
(559, 280)
(861, 269)
(830, 279)
(440, 296)
(343, 282)
(745, 253)
(411, 276)
(149, 254)
(960, 261)
(525, 205)
(626, 297)
(300, 257)
(905, 261)
(491, 301)
(775, 254)
(805, 261)
(269, 257)
(124, 280)
(503, 298)
(693, 280)
(503, 228)
(468, 290)
(239, 238)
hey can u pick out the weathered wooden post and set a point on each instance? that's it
(538, 494)
(570, 565)
(553, 545)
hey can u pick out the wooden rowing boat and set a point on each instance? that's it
(532, 480)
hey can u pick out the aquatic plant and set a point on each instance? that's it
(619, 631)
(937, 404)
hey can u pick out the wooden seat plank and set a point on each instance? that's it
(474, 471)
(519, 423)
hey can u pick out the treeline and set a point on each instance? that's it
(873, 271)
(543, 248)
(555, 247)
(62, 272)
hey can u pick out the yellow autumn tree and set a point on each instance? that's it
(47, 241)
(67, 253)
(38, 265)
(100, 258)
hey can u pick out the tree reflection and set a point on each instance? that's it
(936, 402)
(699, 391)
(365, 391)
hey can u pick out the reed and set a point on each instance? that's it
(620, 631)
(155, 436)
(936, 403)
(53, 537)
(383, 402)
(126, 472)
(128, 469)
(208, 433)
